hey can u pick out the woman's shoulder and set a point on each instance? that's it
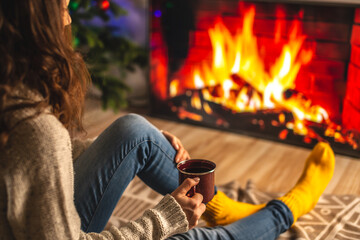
(23, 113)
(40, 134)
(32, 129)
(39, 123)
(42, 127)
(21, 105)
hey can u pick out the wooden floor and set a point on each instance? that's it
(272, 166)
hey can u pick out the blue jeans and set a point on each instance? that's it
(132, 146)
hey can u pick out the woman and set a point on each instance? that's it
(53, 186)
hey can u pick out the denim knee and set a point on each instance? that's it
(134, 126)
(131, 119)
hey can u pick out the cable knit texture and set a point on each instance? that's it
(37, 185)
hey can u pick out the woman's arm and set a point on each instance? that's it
(160, 222)
(39, 183)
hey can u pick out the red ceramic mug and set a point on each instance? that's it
(203, 169)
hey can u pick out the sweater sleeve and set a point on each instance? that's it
(40, 188)
(164, 220)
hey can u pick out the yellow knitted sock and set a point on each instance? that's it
(222, 210)
(317, 173)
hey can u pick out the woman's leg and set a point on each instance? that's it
(130, 146)
(266, 224)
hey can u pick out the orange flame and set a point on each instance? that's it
(237, 56)
(174, 88)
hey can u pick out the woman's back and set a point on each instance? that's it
(36, 175)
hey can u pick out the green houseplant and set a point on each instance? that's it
(103, 50)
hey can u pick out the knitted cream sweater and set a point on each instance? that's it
(37, 186)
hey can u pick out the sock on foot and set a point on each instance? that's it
(301, 199)
(317, 173)
(222, 210)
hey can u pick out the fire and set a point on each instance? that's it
(241, 81)
(174, 88)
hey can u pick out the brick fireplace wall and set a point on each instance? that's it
(351, 107)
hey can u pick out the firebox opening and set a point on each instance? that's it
(273, 70)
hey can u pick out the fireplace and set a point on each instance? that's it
(288, 71)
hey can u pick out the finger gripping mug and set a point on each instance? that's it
(203, 169)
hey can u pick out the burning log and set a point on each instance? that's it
(239, 80)
(274, 124)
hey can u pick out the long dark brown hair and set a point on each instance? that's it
(35, 51)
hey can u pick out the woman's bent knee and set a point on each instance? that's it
(133, 125)
(132, 118)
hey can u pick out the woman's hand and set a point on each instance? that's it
(181, 154)
(192, 206)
